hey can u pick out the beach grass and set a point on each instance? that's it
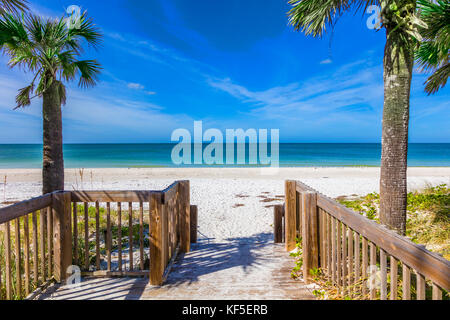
(428, 216)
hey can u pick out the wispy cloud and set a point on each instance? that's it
(326, 61)
(96, 115)
(351, 88)
(136, 86)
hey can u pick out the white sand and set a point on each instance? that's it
(217, 191)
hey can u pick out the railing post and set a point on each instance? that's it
(185, 221)
(156, 240)
(310, 233)
(194, 223)
(278, 223)
(62, 234)
(290, 218)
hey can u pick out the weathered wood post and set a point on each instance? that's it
(185, 221)
(278, 214)
(194, 223)
(156, 240)
(62, 234)
(290, 218)
(310, 233)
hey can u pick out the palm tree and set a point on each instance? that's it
(12, 6)
(50, 49)
(433, 53)
(400, 22)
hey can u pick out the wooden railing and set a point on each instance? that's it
(354, 252)
(26, 247)
(104, 233)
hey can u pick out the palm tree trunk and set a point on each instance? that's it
(398, 62)
(53, 163)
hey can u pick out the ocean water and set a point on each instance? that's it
(159, 155)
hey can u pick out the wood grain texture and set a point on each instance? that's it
(35, 249)
(141, 235)
(406, 283)
(130, 236)
(25, 207)
(185, 227)
(111, 196)
(42, 231)
(310, 234)
(290, 217)
(156, 241)
(119, 235)
(194, 223)
(437, 292)
(18, 258)
(97, 235)
(75, 233)
(429, 264)
(420, 286)
(108, 236)
(8, 275)
(62, 234)
(86, 236)
(383, 274)
(26, 231)
(394, 278)
(364, 264)
(373, 266)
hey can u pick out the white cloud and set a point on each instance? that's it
(136, 86)
(326, 61)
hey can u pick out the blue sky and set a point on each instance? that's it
(231, 64)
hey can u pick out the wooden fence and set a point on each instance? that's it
(354, 252)
(104, 233)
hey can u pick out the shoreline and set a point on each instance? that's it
(232, 202)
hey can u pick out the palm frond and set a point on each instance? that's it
(433, 52)
(68, 67)
(13, 6)
(12, 32)
(314, 16)
(23, 97)
(89, 69)
(438, 79)
(50, 49)
(34, 25)
(86, 30)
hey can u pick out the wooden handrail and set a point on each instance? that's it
(112, 196)
(60, 214)
(25, 207)
(430, 264)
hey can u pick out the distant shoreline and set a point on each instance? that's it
(161, 156)
(217, 167)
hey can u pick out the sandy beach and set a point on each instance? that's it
(232, 202)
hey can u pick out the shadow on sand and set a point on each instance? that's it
(206, 256)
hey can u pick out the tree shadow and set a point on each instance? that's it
(208, 257)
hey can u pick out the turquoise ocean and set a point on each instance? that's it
(159, 155)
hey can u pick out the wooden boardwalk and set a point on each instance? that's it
(236, 269)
